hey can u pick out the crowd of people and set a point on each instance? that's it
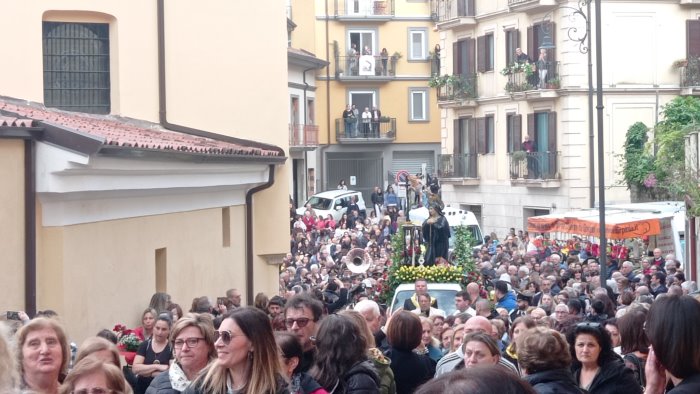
(540, 319)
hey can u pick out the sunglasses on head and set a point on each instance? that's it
(301, 322)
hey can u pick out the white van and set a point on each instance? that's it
(455, 217)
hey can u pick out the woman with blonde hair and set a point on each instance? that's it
(91, 376)
(44, 355)
(99, 348)
(247, 360)
(9, 376)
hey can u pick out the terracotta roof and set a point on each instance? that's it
(123, 132)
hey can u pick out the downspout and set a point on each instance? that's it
(29, 227)
(328, 112)
(163, 118)
(249, 232)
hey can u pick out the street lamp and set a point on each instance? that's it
(584, 41)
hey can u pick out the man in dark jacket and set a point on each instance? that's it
(378, 201)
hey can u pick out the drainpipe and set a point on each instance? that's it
(163, 118)
(328, 111)
(249, 232)
(29, 227)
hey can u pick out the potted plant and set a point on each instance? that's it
(519, 156)
(680, 63)
(553, 83)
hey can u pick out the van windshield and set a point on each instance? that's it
(320, 203)
(473, 231)
(445, 299)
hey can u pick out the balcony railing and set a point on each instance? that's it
(446, 10)
(368, 66)
(364, 8)
(534, 165)
(303, 135)
(357, 131)
(529, 77)
(458, 166)
(456, 87)
(690, 73)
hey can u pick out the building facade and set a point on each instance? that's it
(130, 166)
(380, 55)
(515, 134)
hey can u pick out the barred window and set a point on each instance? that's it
(76, 66)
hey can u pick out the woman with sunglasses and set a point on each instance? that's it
(192, 338)
(596, 367)
(91, 375)
(246, 357)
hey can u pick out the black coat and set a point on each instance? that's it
(161, 385)
(555, 381)
(410, 369)
(362, 378)
(613, 377)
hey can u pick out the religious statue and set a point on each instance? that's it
(436, 234)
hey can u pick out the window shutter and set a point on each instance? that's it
(692, 38)
(531, 126)
(552, 132)
(481, 54)
(552, 53)
(461, 7)
(481, 135)
(455, 58)
(471, 52)
(530, 44)
(517, 131)
(471, 9)
(472, 137)
(457, 147)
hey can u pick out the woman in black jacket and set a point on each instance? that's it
(544, 360)
(404, 333)
(596, 367)
(341, 364)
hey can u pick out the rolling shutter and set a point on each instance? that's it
(411, 161)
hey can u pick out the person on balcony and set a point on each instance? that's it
(542, 65)
(352, 60)
(530, 149)
(376, 116)
(521, 57)
(356, 119)
(366, 125)
(349, 119)
(385, 59)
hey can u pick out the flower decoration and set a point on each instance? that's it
(126, 338)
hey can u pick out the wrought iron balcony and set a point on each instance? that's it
(366, 67)
(353, 10)
(449, 14)
(455, 87)
(458, 166)
(534, 166)
(355, 131)
(303, 135)
(523, 77)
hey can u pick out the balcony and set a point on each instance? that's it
(455, 91)
(690, 76)
(364, 10)
(459, 169)
(303, 136)
(365, 68)
(453, 14)
(534, 169)
(689, 2)
(531, 6)
(382, 132)
(525, 81)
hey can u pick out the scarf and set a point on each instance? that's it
(178, 379)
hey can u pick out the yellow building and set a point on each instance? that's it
(143, 148)
(380, 54)
(488, 107)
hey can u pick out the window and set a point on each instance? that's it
(512, 43)
(464, 56)
(535, 37)
(490, 126)
(484, 46)
(514, 136)
(417, 44)
(542, 130)
(76, 66)
(692, 37)
(362, 41)
(484, 134)
(464, 150)
(418, 104)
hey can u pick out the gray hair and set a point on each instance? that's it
(367, 306)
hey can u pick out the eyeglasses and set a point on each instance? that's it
(95, 390)
(191, 342)
(301, 322)
(225, 335)
(589, 324)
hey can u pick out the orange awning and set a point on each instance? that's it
(588, 227)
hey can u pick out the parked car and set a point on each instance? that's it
(334, 202)
(443, 292)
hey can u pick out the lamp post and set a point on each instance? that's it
(584, 47)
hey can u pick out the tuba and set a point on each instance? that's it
(357, 261)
